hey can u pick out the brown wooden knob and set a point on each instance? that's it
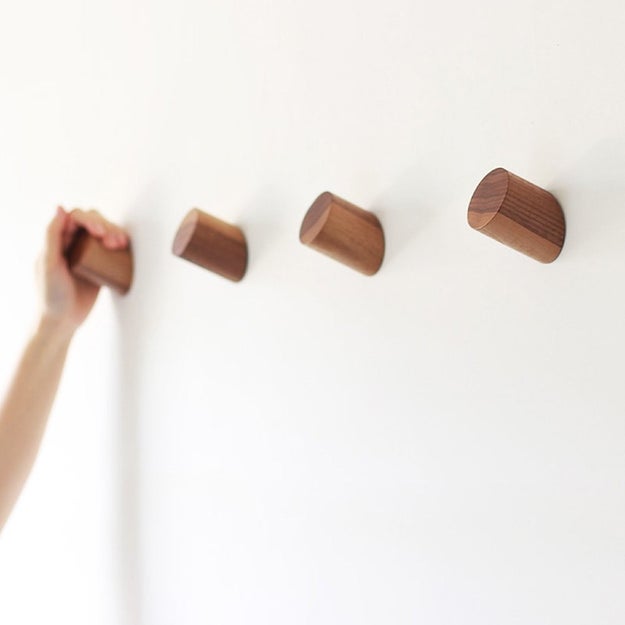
(519, 214)
(213, 244)
(345, 232)
(90, 260)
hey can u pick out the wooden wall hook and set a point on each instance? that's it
(519, 214)
(90, 260)
(345, 232)
(213, 244)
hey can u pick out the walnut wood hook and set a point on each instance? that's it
(90, 260)
(213, 244)
(345, 232)
(519, 214)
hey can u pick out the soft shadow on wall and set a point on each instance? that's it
(133, 318)
(257, 217)
(418, 206)
(594, 204)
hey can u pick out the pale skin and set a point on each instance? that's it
(66, 302)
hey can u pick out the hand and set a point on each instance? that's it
(67, 300)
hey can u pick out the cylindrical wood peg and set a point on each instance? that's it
(90, 260)
(519, 214)
(213, 244)
(345, 232)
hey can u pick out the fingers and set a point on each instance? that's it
(112, 236)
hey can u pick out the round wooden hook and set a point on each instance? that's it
(345, 232)
(518, 214)
(213, 244)
(90, 260)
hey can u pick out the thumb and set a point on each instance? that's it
(54, 236)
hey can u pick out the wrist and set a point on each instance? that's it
(55, 330)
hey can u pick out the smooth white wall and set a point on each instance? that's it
(441, 443)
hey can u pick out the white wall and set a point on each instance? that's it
(441, 443)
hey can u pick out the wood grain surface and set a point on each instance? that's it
(212, 244)
(345, 232)
(518, 214)
(90, 260)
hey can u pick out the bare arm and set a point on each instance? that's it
(66, 302)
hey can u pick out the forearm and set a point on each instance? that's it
(26, 407)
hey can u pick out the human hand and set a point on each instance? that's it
(67, 300)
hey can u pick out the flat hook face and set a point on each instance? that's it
(212, 244)
(90, 260)
(345, 232)
(518, 214)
